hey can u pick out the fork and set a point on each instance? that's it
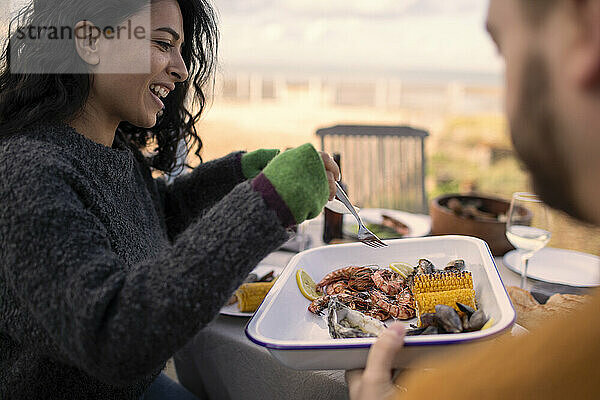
(364, 235)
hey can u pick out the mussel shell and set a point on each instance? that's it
(477, 321)
(457, 265)
(429, 319)
(465, 322)
(415, 331)
(465, 308)
(431, 330)
(448, 318)
(425, 266)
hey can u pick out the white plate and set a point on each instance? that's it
(518, 330)
(337, 206)
(560, 266)
(260, 270)
(419, 225)
(300, 339)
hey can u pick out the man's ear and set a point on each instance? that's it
(587, 55)
(86, 42)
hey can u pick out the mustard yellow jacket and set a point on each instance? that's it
(559, 360)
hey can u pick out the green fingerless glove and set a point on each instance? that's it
(254, 162)
(298, 176)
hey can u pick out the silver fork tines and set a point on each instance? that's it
(364, 235)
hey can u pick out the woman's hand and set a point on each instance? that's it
(333, 173)
(296, 184)
(375, 381)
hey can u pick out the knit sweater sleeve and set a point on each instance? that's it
(191, 194)
(117, 321)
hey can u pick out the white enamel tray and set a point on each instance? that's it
(300, 340)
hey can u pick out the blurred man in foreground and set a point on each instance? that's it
(552, 54)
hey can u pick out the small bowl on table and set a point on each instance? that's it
(475, 215)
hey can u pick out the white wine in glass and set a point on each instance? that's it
(527, 227)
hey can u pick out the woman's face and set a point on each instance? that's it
(137, 97)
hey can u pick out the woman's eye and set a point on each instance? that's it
(163, 45)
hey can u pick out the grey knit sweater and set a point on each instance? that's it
(106, 272)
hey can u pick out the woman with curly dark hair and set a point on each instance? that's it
(106, 271)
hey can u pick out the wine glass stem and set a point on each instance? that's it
(302, 237)
(525, 264)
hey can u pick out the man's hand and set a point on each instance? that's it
(333, 173)
(375, 381)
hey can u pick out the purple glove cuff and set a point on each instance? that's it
(238, 166)
(263, 185)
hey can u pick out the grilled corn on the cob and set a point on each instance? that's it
(442, 281)
(446, 288)
(426, 302)
(250, 295)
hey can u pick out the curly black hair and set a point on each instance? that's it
(27, 98)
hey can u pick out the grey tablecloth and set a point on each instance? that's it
(221, 363)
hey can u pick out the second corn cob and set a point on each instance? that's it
(250, 295)
(426, 302)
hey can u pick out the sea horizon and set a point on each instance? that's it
(412, 75)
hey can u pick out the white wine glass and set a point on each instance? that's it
(527, 227)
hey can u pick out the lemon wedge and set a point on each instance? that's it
(307, 285)
(402, 268)
(488, 324)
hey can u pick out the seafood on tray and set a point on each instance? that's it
(446, 319)
(375, 292)
(344, 322)
(442, 300)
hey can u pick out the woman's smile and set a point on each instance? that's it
(158, 91)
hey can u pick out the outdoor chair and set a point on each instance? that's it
(382, 166)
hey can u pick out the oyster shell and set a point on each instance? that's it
(344, 322)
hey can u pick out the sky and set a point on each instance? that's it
(354, 35)
(371, 35)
